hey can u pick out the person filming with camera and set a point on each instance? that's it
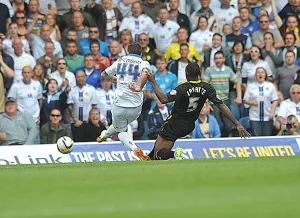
(291, 127)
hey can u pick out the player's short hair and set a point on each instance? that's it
(245, 8)
(135, 48)
(291, 53)
(163, 8)
(72, 29)
(219, 52)
(218, 34)
(161, 58)
(292, 34)
(94, 109)
(71, 41)
(291, 116)
(94, 41)
(193, 69)
(238, 42)
(88, 55)
(293, 87)
(183, 44)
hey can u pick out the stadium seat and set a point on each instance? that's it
(245, 122)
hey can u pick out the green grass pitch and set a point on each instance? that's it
(226, 188)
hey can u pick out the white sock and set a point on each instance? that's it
(109, 132)
(127, 140)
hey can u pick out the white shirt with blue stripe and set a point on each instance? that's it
(82, 99)
(264, 93)
(289, 107)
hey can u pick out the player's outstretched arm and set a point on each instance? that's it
(227, 113)
(162, 97)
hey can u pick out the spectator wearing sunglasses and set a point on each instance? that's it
(290, 105)
(54, 129)
(62, 75)
(258, 36)
(249, 67)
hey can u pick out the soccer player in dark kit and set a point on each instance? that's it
(189, 98)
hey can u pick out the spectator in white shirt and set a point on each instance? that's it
(224, 15)
(290, 106)
(262, 97)
(202, 37)
(137, 23)
(61, 75)
(81, 99)
(249, 68)
(12, 33)
(21, 59)
(28, 94)
(164, 31)
(106, 97)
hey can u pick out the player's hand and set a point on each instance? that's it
(242, 132)
(134, 87)
(77, 123)
(150, 75)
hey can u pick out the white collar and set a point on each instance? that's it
(219, 69)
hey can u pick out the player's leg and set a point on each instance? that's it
(123, 117)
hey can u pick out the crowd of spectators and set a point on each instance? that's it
(53, 52)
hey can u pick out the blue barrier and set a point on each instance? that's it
(193, 149)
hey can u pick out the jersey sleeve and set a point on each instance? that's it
(145, 65)
(206, 77)
(112, 70)
(13, 91)
(212, 95)
(94, 99)
(70, 99)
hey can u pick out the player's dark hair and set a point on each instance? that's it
(72, 30)
(71, 41)
(94, 41)
(184, 44)
(238, 42)
(192, 71)
(219, 52)
(291, 52)
(292, 34)
(290, 117)
(218, 34)
(161, 58)
(135, 48)
(245, 8)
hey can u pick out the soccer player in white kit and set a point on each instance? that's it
(127, 106)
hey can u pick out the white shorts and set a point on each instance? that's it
(122, 116)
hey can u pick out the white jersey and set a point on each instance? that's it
(68, 75)
(288, 107)
(82, 99)
(249, 69)
(27, 96)
(137, 25)
(105, 102)
(264, 94)
(128, 70)
(225, 15)
(199, 38)
(8, 49)
(20, 62)
(163, 34)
